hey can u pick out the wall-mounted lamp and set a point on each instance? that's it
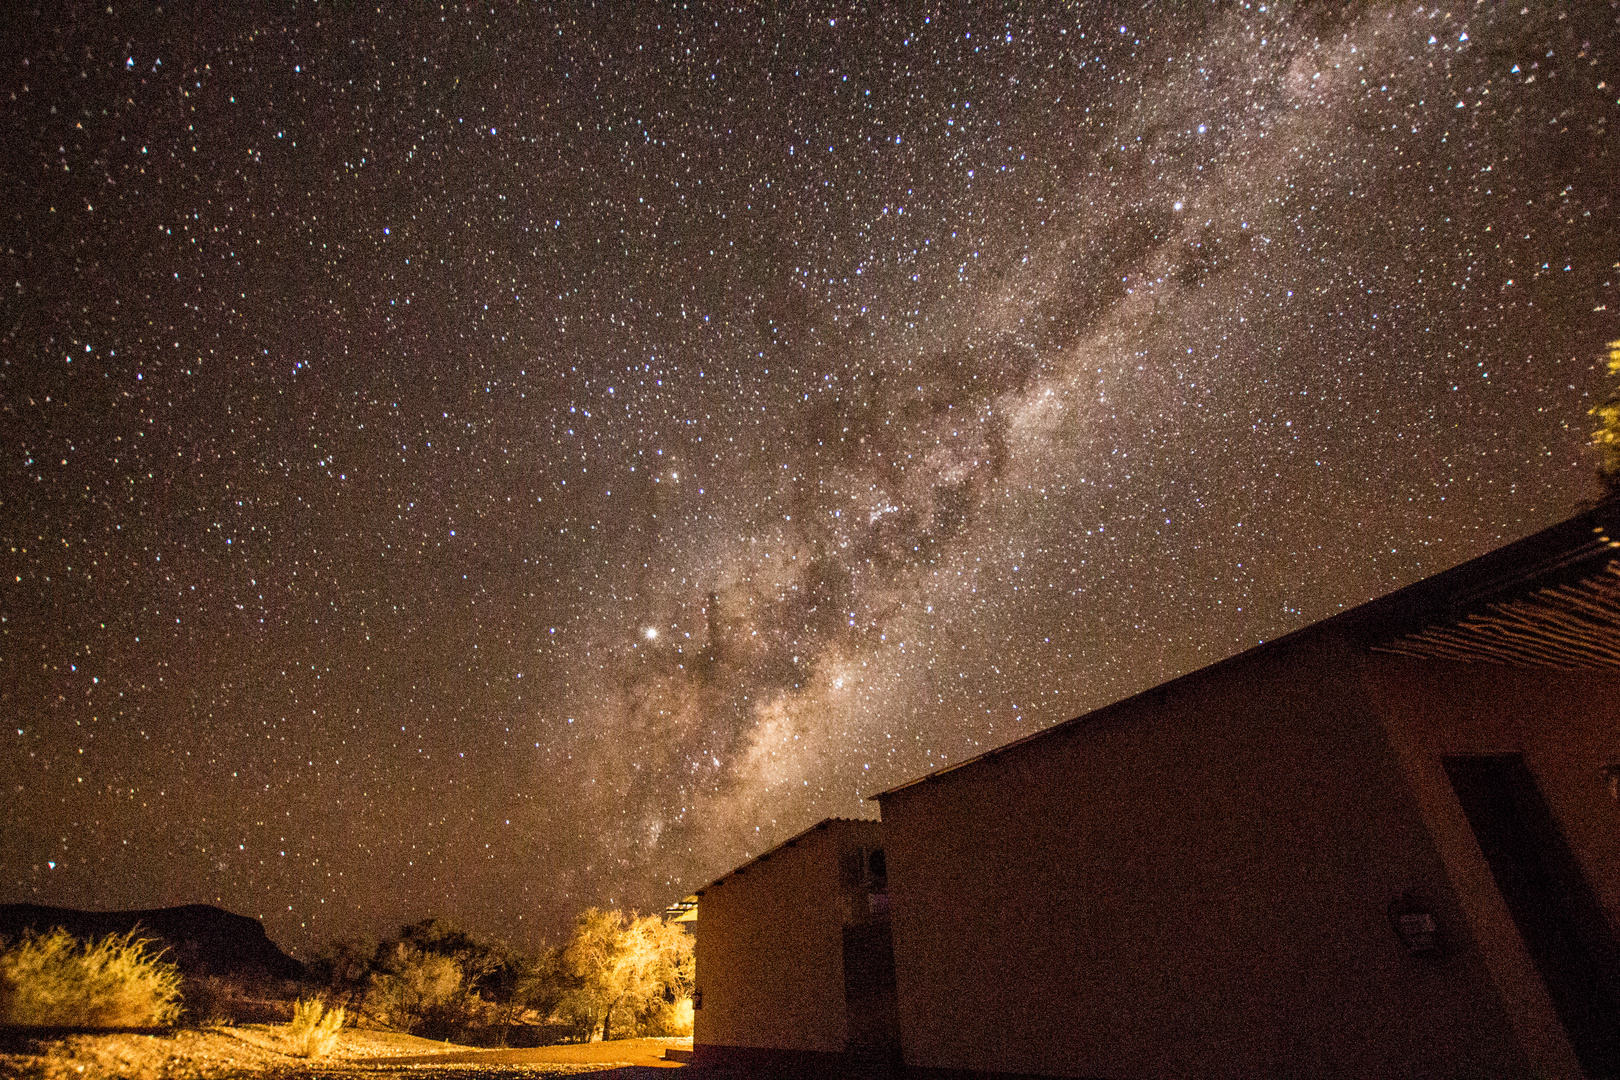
(697, 998)
(1611, 773)
(1413, 922)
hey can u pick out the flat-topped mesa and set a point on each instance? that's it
(200, 939)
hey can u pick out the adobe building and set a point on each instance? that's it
(1386, 845)
(794, 964)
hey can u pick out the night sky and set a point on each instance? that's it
(487, 463)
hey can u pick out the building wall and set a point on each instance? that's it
(770, 947)
(1192, 883)
(1567, 727)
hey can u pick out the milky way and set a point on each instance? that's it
(488, 464)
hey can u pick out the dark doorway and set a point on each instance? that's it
(869, 992)
(1553, 905)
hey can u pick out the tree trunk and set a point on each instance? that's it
(608, 1017)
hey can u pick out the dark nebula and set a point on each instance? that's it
(488, 463)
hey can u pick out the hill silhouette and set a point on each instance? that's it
(201, 939)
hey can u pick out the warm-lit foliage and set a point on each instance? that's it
(617, 975)
(667, 1018)
(482, 963)
(435, 979)
(1607, 437)
(117, 981)
(343, 967)
(314, 1029)
(620, 973)
(420, 992)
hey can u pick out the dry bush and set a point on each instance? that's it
(667, 1019)
(209, 1002)
(343, 968)
(435, 980)
(228, 1000)
(664, 1018)
(423, 994)
(117, 981)
(314, 1029)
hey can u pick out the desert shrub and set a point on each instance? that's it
(666, 1018)
(543, 983)
(477, 958)
(314, 1029)
(423, 993)
(224, 1000)
(208, 1002)
(343, 967)
(441, 982)
(57, 981)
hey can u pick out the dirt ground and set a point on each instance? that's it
(600, 1055)
(258, 1052)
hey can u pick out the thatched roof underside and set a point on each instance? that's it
(1565, 627)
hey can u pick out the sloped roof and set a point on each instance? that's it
(1563, 626)
(1551, 599)
(1536, 585)
(1549, 622)
(791, 841)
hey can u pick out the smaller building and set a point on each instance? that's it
(794, 959)
(1384, 845)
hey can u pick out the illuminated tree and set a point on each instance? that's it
(1607, 437)
(620, 966)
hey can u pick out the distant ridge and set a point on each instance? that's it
(201, 939)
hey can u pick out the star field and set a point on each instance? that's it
(486, 462)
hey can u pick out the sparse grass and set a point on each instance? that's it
(56, 981)
(246, 1052)
(314, 1029)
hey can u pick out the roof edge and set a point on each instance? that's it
(791, 841)
(1589, 535)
